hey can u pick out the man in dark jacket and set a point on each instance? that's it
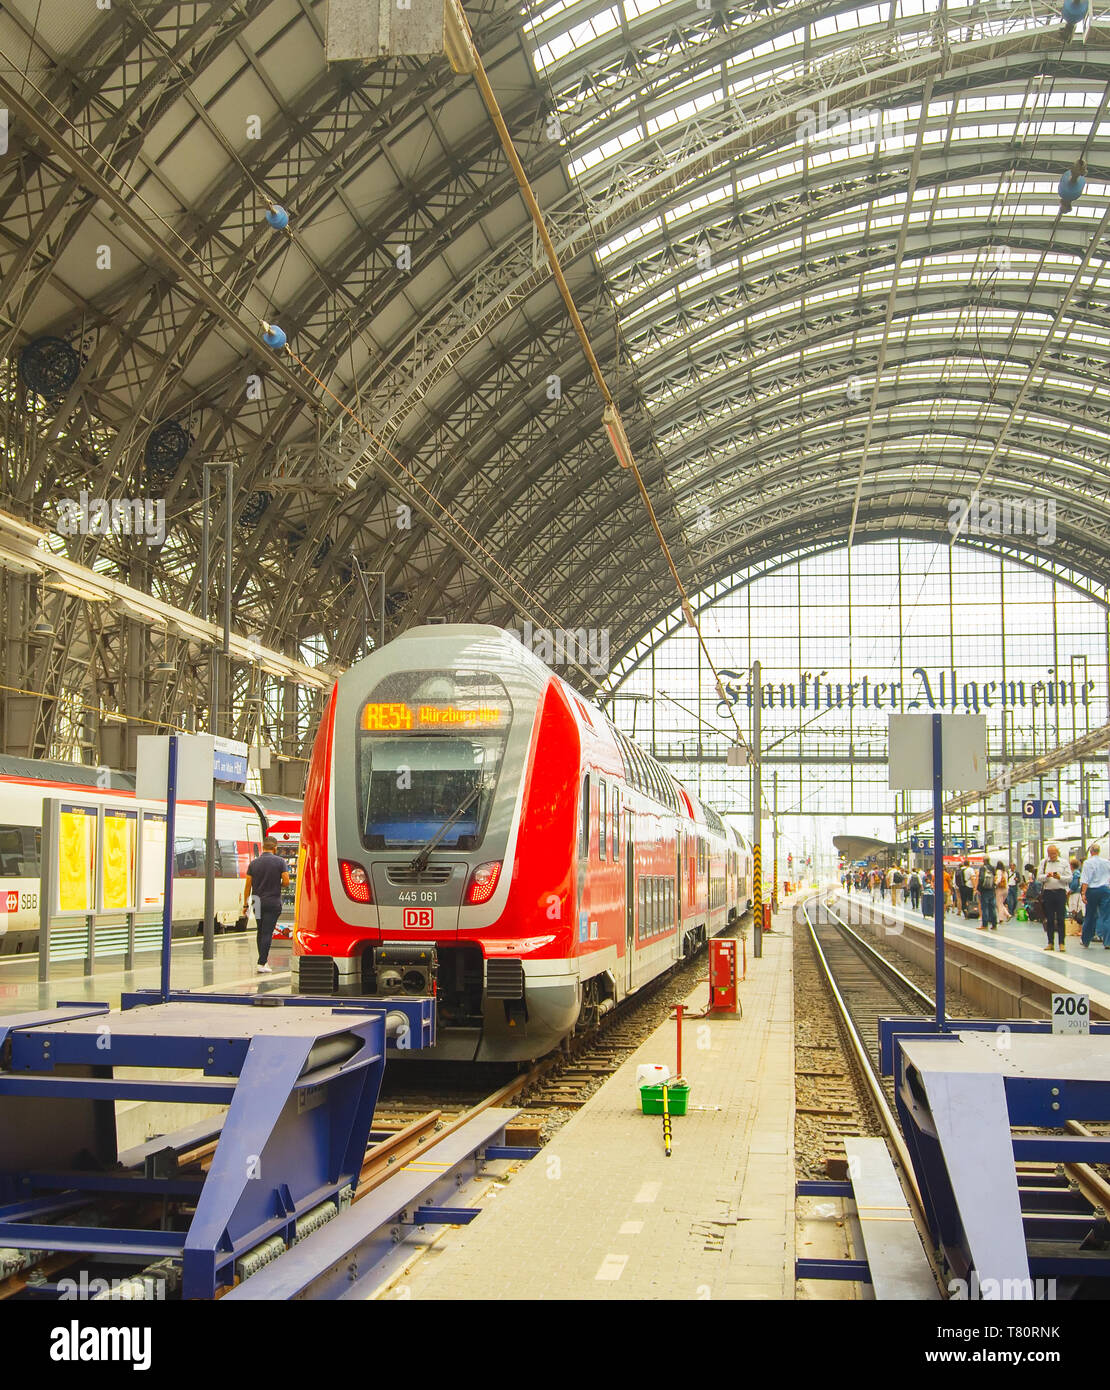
(266, 877)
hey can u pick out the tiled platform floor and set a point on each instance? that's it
(603, 1214)
(231, 970)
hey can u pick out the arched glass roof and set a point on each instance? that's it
(818, 247)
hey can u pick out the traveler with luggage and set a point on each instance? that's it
(988, 903)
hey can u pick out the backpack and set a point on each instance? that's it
(915, 881)
(986, 879)
(897, 877)
(1034, 891)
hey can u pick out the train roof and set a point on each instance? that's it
(88, 775)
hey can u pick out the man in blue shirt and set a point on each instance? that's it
(1094, 885)
(266, 876)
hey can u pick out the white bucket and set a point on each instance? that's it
(652, 1074)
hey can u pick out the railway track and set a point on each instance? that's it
(425, 1109)
(864, 985)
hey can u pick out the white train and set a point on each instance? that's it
(241, 822)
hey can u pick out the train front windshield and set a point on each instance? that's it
(429, 759)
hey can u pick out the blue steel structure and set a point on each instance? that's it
(301, 1078)
(960, 1096)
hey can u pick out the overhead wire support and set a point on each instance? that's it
(465, 58)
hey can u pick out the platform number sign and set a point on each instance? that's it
(1071, 1013)
(1040, 810)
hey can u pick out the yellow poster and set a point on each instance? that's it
(118, 869)
(76, 858)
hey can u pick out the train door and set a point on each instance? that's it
(629, 909)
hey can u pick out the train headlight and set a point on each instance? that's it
(483, 881)
(356, 882)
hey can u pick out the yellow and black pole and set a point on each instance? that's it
(757, 810)
(666, 1123)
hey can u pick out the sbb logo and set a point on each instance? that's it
(13, 901)
(417, 917)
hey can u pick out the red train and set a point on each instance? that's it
(471, 825)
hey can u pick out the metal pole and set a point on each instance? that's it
(938, 866)
(208, 945)
(381, 609)
(775, 828)
(757, 807)
(167, 882)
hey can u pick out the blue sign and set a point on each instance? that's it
(229, 761)
(960, 845)
(1040, 810)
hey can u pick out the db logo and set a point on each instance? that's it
(13, 902)
(417, 917)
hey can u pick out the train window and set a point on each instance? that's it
(189, 856)
(602, 822)
(19, 851)
(428, 754)
(616, 822)
(584, 820)
(640, 902)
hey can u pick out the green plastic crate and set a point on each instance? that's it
(651, 1099)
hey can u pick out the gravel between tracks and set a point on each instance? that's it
(831, 1097)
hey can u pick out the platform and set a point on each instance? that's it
(1017, 944)
(232, 968)
(603, 1214)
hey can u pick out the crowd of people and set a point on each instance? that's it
(1050, 892)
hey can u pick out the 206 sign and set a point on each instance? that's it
(1071, 1013)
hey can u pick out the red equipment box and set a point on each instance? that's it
(724, 996)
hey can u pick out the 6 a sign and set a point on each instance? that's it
(1048, 809)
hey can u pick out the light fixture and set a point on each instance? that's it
(614, 427)
(43, 629)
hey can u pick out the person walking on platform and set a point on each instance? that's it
(946, 880)
(988, 903)
(1001, 892)
(897, 880)
(1054, 876)
(915, 889)
(1012, 890)
(882, 884)
(1075, 895)
(965, 886)
(1094, 884)
(928, 902)
(266, 877)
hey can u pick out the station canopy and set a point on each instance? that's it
(819, 249)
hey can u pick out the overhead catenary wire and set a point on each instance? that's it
(622, 449)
